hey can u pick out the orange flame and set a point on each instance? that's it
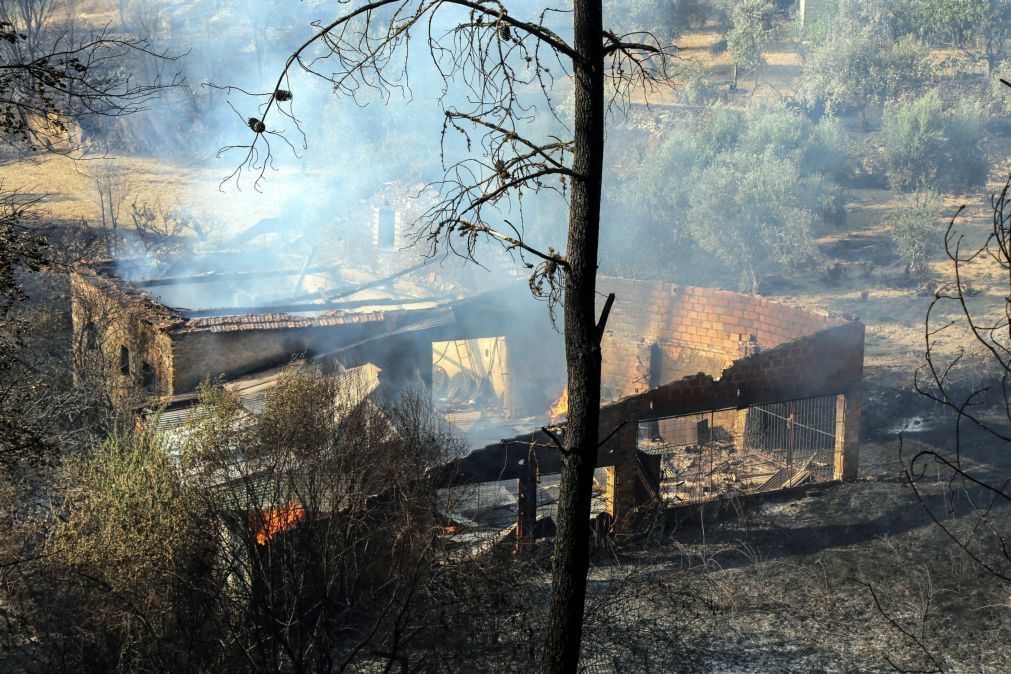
(560, 408)
(276, 520)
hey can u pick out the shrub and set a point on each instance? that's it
(930, 147)
(827, 150)
(664, 19)
(858, 65)
(915, 231)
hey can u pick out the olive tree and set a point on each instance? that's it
(980, 28)
(751, 24)
(930, 145)
(858, 66)
(916, 232)
(750, 209)
(742, 187)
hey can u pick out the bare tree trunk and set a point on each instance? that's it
(582, 349)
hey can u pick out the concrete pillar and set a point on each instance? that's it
(847, 434)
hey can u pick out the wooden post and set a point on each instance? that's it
(526, 508)
(847, 434)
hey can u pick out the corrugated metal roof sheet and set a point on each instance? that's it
(278, 321)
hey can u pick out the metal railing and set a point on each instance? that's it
(720, 453)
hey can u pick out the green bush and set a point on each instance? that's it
(751, 210)
(930, 147)
(858, 65)
(743, 187)
(827, 150)
(664, 19)
(751, 24)
(915, 231)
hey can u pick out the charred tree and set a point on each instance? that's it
(582, 350)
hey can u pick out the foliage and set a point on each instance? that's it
(750, 209)
(827, 150)
(930, 146)
(894, 18)
(858, 65)
(770, 168)
(914, 229)
(123, 557)
(665, 20)
(130, 515)
(326, 513)
(751, 23)
(978, 27)
(694, 85)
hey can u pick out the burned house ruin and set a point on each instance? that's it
(706, 393)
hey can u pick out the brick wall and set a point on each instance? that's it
(824, 363)
(693, 329)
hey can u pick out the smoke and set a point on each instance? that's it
(340, 157)
(352, 161)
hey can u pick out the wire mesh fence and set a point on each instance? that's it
(764, 447)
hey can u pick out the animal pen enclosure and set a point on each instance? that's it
(761, 447)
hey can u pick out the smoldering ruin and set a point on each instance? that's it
(706, 394)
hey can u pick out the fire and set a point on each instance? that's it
(560, 408)
(276, 520)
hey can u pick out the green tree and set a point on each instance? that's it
(916, 231)
(858, 66)
(122, 562)
(751, 24)
(750, 210)
(665, 19)
(980, 28)
(668, 201)
(930, 146)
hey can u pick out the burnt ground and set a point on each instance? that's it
(834, 578)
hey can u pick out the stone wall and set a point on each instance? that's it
(117, 345)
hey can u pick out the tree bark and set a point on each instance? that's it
(582, 348)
